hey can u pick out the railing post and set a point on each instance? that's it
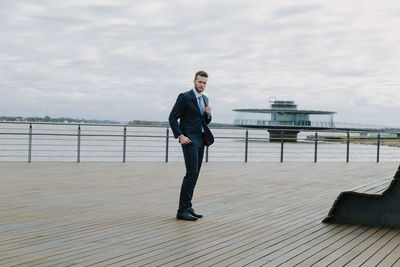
(124, 147)
(166, 144)
(206, 153)
(378, 148)
(315, 147)
(282, 146)
(78, 154)
(30, 144)
(348, 146)
(246, 148)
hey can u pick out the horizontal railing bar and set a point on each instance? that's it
(72, 156)
(303, 128)
(68, 150)
(141, 144)
(105, 124)
(42, 145)
(13, 144)
(216, 137)
(13, 150)
(51, 129)
(253, 148)
(88, 145)
(13, 138)
(83, 135)
(95, 140)
(51, 156)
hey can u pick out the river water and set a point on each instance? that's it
(106, 143)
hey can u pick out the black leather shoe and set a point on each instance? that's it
(185, 216)
(191, 211)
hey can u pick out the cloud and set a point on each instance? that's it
(127, 60)
(296, 10)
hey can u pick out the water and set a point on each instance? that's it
(105, 143)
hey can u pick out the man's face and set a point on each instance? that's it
(200, 83)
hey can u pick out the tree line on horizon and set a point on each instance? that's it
(49, 119)
(71, 120)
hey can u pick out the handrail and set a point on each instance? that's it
(284, 127)
(247, 144)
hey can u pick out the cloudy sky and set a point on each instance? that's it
(125, 59)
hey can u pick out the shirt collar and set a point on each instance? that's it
(196, 93)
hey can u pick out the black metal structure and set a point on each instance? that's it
(369, 209)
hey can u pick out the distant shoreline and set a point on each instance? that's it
(48, 119)
(394, 142)
(58, 120)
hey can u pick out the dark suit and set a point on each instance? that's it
(191, 123)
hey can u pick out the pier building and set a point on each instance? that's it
(284, 115)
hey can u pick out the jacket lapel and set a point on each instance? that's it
(205, 99)
(195, 102)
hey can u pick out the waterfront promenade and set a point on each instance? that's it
(115, 214)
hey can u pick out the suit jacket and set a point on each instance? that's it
(187, 110)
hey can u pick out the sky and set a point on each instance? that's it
(128, 60)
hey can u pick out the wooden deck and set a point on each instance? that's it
(115, 214)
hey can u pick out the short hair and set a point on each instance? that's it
(201, 73)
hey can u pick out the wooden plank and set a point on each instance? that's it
(354, 252)
(379, 255)
(370, 251)
(238, 250)
(317, 246)
(392, 258)
(209, 252)
(319, 252)
(372, 185)
(281, 253)
(211, 259)
(135, 240)
(249, 227)
(60, 214)
(342, 254)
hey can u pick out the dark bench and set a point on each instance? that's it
(369, 209)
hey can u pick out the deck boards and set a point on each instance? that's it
(256, 214)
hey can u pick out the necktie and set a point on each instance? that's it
(201, 105)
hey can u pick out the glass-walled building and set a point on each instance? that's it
(285, 114)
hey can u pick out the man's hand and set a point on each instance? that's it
(184, 140)
(208, 110)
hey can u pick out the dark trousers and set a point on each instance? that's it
(193, 155)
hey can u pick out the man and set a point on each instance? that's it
(194, 113)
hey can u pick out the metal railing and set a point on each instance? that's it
(102, 142)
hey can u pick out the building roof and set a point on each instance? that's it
(285, 110)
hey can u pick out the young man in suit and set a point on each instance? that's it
(194, 113)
